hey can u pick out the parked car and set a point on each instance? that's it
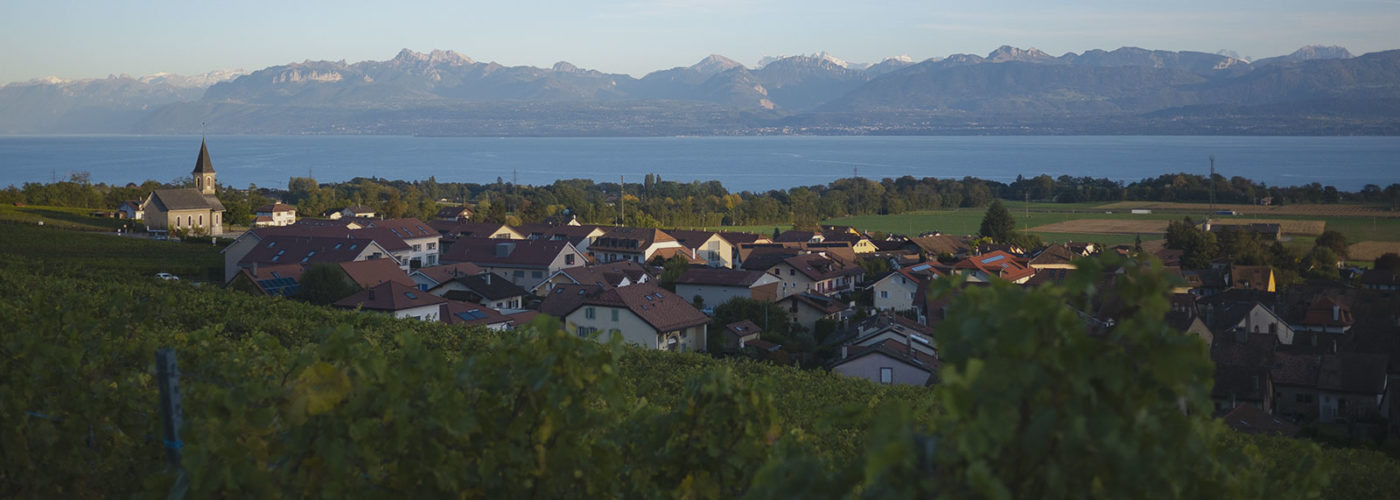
(167, 276)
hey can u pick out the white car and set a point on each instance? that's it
(167, 276)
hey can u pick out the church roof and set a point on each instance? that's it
(202, 165)
(184, 199)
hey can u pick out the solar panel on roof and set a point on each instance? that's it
(471, 315)
(920, 267)
(410, 295)
(993, 258)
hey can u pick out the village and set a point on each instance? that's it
(838, 299)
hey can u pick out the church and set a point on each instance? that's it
(196, 210)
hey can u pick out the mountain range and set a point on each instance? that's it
(1315, 90)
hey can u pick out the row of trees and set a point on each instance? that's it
(658, 203)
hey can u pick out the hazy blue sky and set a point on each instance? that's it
(73, 39)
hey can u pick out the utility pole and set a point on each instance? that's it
(621, 201)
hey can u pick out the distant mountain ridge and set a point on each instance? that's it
(443, 92)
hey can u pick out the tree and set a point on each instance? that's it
(1389, 261)
(1334, 240)
(671, 270)
(324, 283)
(998, 224)
(770, 317)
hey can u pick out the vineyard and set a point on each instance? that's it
(283, 399)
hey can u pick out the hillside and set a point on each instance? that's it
(285, 398)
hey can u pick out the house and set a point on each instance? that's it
(402, 301)
(276, 214)
(195, 210)
(428, 277)
(453, 230)
(631, 243)
(995, 264)
(717, 286)
(390, 243)
(615, 274)
(1326, 315)
(1381, 279)
(579, 236)
(1242, 371)
(887, 362)
(806, 309)
(131, 209)
(1351, 387)
(353, 211)
(815, 273)
(708, 246)
(1205, 282)
(896, 290)
(1295, 378)
(453, 214)
(642, 314)
(1053, 257)
(934, 246)
(274, 281)
(1252, 318)
(277, 250)
(739, 334)
(470, 314)
(1252, 278)
(888, 326)
(486, 289)
(735, 239)
(524, 262)
(422, 240)
(373, 272)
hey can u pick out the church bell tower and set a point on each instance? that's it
(203, 171)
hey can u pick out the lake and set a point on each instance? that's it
(741, 163)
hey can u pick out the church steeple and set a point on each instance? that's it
(203, 171)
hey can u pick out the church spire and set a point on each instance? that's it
(203, 165)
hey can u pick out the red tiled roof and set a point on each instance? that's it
(466, 229)
(997, 263)
(735, 238)
(501, 252)
(896, 350)
(389, 296)
(941, 244)
(629, 239)
(463, 313)
(320, 228)
(691, 239)
(742, 328)
(611, 273)
(276, 207)
(406, 228)
(368, 273)
(444, 273)
(817, 267)
(719, 277)
(302, 250)
(1321, 311)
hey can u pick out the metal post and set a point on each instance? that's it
(171, 410)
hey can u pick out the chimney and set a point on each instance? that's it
(255, 269)
(843, 352)
(1336, 311)
(741, 343)
(487, 276)
(503, 249)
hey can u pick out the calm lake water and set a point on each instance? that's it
(741, 163)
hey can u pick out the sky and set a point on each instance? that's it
(94, 39)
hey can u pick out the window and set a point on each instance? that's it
(614, 314)
(884, 294)
(886, 375)
(1303, 398)
(792, 272)
(569, 260)
(519, 274)
(418, 248)
(584, 331)
(537, 274)
(590, 313)
(432, 246)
